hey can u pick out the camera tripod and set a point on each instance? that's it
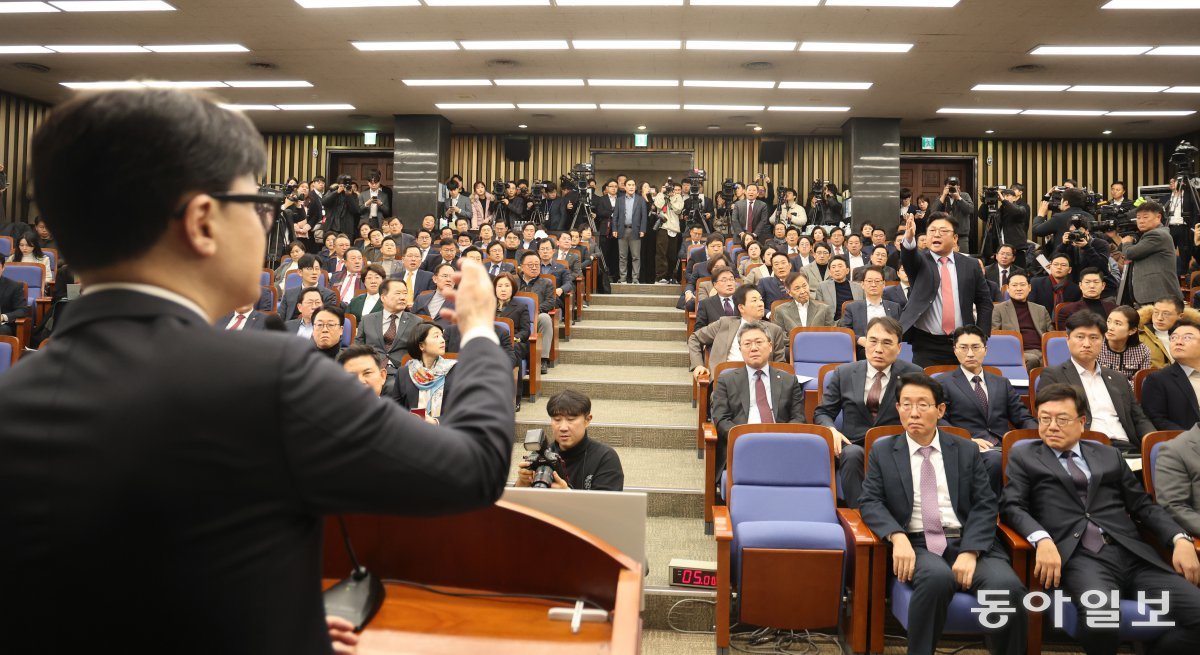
(695, 215)
(584, 209)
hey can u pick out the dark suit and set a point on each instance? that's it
(421, 306)
(1134, 422)
(629, 237)
(771, 289)
(845, 393)
(371, 329)
(731, 401)
(975, 303)
(562, 277)
(887, 508)
(760, 219)
(291, 299)
(855, 316)
(1041, 496)
(517, 313)
(435, 259)
(712, 309)
(1041, 291)
(1004, 407)
(423, 280)
(993, 272)
(1177, 479)
(255, 320)
(504, 267)
(13, 303)
(222, 509)
(895, 293)
(1169, 399)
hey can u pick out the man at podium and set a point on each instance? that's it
(165, 484)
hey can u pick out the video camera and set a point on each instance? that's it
(1113, 218)
(1184, 159)
(818, 188)
(538, 189)
(498, 188)
(991, 194)
(542, 461)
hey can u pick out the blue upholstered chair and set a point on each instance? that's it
(1054, 348)
(814, 347)
(1004, 351)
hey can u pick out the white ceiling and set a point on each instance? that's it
(978, 41)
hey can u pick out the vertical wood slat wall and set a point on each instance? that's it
(292, 154)
(1040, 165)
(19, 119)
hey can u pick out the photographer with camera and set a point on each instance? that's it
(1087, 251)
(958, 204)
(512, 205)
(789, 211)
(696, 203)
(341, 207)
(825, 206)
(668, 204)
(1150, 272)
(1069, 209)
(375, 203)
(575, 460)
(1014, 219)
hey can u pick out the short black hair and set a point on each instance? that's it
(1012, 274)
(839, 258)
(410, 247)
(1174, 300)
(724, 269)
(739, 296)
(446, 242)
(888, 323)
(419, 334)
(1184, 321)
(388, 282)
(526, 254)
(307, 261)
(1010, 247)
(1052, 392)
(1074, 196)
(965, 330)
(919, 379)
(1150, 206)
(360, 350)
(335, 310)
(821, 245)
(568, 403)
(438, 269)
(942, 216)
(715, 236)
(173, 143)
(426, 232)
(307, 290)
(1090, 270)
(1086, 319)
(873, 269)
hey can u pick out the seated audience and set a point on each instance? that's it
(310, 277)
(864, 393)
(721, 302)
(432, 304)
(1056, 288)
(775, 287)
(564, 282)
(1086, 533)
(447, 253)
(927, 493)
(388, 330)
(1123, 350)
(755, 274)
(880, 261)
(585, 463)
(803, 311)
(328, 325)
(704, 287)
(1177, 479)
(242, 318)
(495, 263)
(389, 257)
(505, 285)
(295, 251)
(817, 271)
(1169, 395)
(530, 281)
(310, 299)
(858, 314)
(753, 258)
(1018, 314)
(29, 250)
(720, 338)
(365, 364)
(837, 289)
(1003, 268)
(1113, 411)
(1157, 321)
(898, 293)
(368, 303)
(14, 303)
(1091, 286)
(349, 281)
(422, 383)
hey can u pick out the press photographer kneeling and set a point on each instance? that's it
(575, 460)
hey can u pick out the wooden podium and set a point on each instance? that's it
(505, 548)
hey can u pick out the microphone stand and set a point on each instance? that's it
(358, 597)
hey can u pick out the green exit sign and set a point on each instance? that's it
(927, 143)
(641, 140)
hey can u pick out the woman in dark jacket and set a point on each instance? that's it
(424, 381)
(506, 286)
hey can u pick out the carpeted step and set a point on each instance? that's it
(623, 353)
(627, 313)
(631, 330)
(634, 300)
(645, 289)
(625, 423)
(621, 382)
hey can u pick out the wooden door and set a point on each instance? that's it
(360, 166)
(927, 177)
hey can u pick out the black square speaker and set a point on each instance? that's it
(771, 152)
(516, 149)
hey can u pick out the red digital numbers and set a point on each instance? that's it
(688, 575)
(697, 578)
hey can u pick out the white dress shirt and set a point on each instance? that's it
(945, 507)
(753, 416)
(856, 261)
(369, 303)
(874, 310)
(971, 381)
(802, 310)
(735, 351)
(1193, 377)
(1104, 411)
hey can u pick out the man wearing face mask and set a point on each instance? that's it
(586, 463)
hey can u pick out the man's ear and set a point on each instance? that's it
(198, 226)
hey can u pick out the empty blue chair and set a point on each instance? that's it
(814, 347)
(905, 352)
(6, 246)
(1055, 350)
(1006, 353)
(348, 327)
(33, 275)
(10, 352)
(264, 278)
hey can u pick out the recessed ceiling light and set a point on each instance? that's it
(109, 5)
(555, 105)
(487, 3)
(474, 105)
(447, 82)
(637, 106)
(1113, 50)
(417, 46)
(24, 50)
(512, 82)
(330, 106)
(729, 84)
(620, 3)
(758, 128)
(1182, 112)
(515, 45)
(755, 3)
(1152, 4)
(713, 127)
(724, 107)
(26, 8)
(932, 4)
(859, 86)
(641, 127)
(1107, 132)
(1185, 50)
(128, 84)
(803, 109)
(523, 126)
(163, 84)
(235, 107)
(830, 46)
(625, 44)
(633, 82)
(1183, 89)
(267, 84)
(973, 110)
(1064, 112)
(96, 49)
(309, 127)
(1107, 88)
(989, 131)
(351, 4)
(210, 47)
(780, 46)
(1020, 87)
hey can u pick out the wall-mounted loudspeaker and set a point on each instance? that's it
(771, 152)
(516, 149)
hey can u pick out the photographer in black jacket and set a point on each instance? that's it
(1057, 224)
(512, 206)
(341, 207)
(586, 463)
(1087, 251)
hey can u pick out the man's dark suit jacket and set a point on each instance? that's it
(1132, 419)
(993, 272)
(886, 502)
(1004, 406)
(685, 246)
(562, 276)
(712, 309)
(371, 329)
(424, 281)
(604, 213)
(1042, 292)
(543, 289)
(435, 259)
(197, 502)
(291, 298)
(255, 320)
(975, 298)
(895, 293)
(846, 394)
(855, 316)
(421, 306)
(1169, 400)
(731, 403)
(761, 224)
(639, 218)
(1041, 496)
(771, 289)
(13, 301)
(1014, 223)
(505, 267)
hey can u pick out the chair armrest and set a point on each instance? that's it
(709, 434)
(24, 331)
(722, 526)
(43, 306)
(1013, 541)
(852, 521)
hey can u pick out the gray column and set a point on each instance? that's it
(871, 165)
(422, 161)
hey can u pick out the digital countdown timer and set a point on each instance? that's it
(689, 573)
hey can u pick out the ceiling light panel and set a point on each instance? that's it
(837, 46)
(1108, 88)
(1176, 50)
(102, 86)
(637, 107)
(831, 86)
(619, 3)
(96, 49)
(1183, 89)
(729, 84)
(235, 107)
(555, 105)
(1064, 112)
(164, 84)
(24, 50)
(1037, 88)
(474, 105)
(806, 109)
(777, 46)
(536, 82)
(1182, 112)
(26, 8)
(267, 84)
(407, 46)
(929, 4)
(352, 4)
(515, 45)
(447, 82)
(118, 5)
(755, 3)
(645, 83)
(976, 110)
(1152, 4)
(1091, 50)
(332, 106)
(202, 47)
(724, 107)
(487, 3)
(625, 44)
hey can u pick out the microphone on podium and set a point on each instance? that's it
(358, 597)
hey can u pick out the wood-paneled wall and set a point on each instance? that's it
(292, 154)
(19, 119)
(1040, 165)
